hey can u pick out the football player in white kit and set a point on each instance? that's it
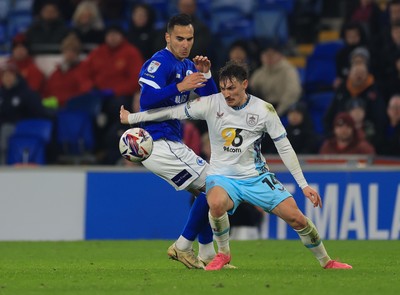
(236, 123)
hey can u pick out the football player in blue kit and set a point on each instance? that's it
(238, 171)
(167, 79)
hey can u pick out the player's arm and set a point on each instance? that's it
(160, 114)
(289, 158)
(193, 110)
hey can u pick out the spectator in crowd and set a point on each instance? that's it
(353, 36)
(365, 128)
(390, 145)
(360, 55)
(68, 80)
(113, 69)
(367, 13)
(202, 33)
(66, 7)
(141, 32)
(300, 130)
(27, 68)
(241, 52)
(88, 25)
(359, 84)
(17, 100)
(391, 85)
(390, 50)
(276, 81)
(345, 139)
(45, 34)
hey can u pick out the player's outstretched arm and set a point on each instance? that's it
(160, 114)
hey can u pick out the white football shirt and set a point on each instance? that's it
(236, 134)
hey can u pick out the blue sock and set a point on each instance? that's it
(197, 221)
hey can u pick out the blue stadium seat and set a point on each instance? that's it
(225, 16)
(19, 21)
(317, 104)
(74, 132)
(321, 67)
(270, 25)
(23, 5)
(41, 128)
(5, 7)
(89, 102)
(26, 149)
(286, 5)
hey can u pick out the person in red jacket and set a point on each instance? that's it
(68, 80)
(20, 56)
(346, 139)
(114, 68)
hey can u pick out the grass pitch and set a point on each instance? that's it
(142, 267)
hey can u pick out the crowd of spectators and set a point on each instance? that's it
(103, 45)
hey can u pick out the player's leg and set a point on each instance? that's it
(220, 202)
(308, 233)
(184, 170)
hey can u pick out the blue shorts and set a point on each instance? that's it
(264, 191)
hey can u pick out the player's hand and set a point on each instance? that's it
(202, 63)
(314, 197)
(123, 115)
(192, 81)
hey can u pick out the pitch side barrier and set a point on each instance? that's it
(361, 200)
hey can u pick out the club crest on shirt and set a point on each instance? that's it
(189, 72)
(251, 119)
(153, 66)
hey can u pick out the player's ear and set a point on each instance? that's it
(167, 37)
(245, 84)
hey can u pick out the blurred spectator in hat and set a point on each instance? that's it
(21, 57)
(88, 25)
(45, 34)
(353, 36)
(359, 84)
(276, 81)
(360, 55)
(365, 128)
(300, 130)
(345, 138)
(141, 32)
(68, 80)
(390, 144)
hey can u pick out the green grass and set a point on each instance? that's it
(142, 267)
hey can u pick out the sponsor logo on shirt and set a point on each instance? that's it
(251, 120)
(153, 66)
(181, 177)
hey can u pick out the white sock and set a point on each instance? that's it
(220, 227)
(310, 238)
(183, 244)
(207, 251)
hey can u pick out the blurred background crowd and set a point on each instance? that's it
(330, 67)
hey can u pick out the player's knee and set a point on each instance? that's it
(298, 221)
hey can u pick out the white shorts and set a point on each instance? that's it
(178, 164)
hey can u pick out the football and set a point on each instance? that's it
(136, 144)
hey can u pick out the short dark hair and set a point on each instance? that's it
(233, 70)
(178, 20)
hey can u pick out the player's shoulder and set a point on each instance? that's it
(262, 105)
(160, 60)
